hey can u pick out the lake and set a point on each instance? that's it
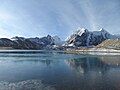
(52, 70)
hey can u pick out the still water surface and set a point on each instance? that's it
(51, 70)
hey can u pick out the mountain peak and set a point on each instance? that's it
(49, 37)
(89, 38)
(80, 31)
(17, 38)
(103, 30)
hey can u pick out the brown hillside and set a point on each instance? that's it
(110, 44)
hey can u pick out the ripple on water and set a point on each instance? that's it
(25, 85)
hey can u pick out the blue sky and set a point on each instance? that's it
(37, 18)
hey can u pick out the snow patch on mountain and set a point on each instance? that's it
(57, 40)
(81, 31)
(83, 37)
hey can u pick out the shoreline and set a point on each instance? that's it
(91, 51)
(94, 51)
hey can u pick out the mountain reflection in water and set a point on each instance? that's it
(58, 71)
(85, 65)
(97, 73)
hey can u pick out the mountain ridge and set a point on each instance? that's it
(80, 38)
(30, 43)
(83, 37)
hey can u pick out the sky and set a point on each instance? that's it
(38, 18)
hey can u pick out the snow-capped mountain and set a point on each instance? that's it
(30, 43)
(57, 40)
(44, 41)
(48, 40)
(6, 42)
(83, 37)
(23, 43)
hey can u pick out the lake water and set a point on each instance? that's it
(51, 70)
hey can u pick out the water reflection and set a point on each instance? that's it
(86, 64)
(59, 70)
(111, 60)
(46, 62)
(98, 73)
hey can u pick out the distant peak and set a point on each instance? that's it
(48, 36)
(56, 37)
(83, 28)
(102, 30)
(80, 31)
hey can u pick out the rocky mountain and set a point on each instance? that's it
(43, 42)
(4, 42)
(47, 42)
(23, 43)
(83, 37)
